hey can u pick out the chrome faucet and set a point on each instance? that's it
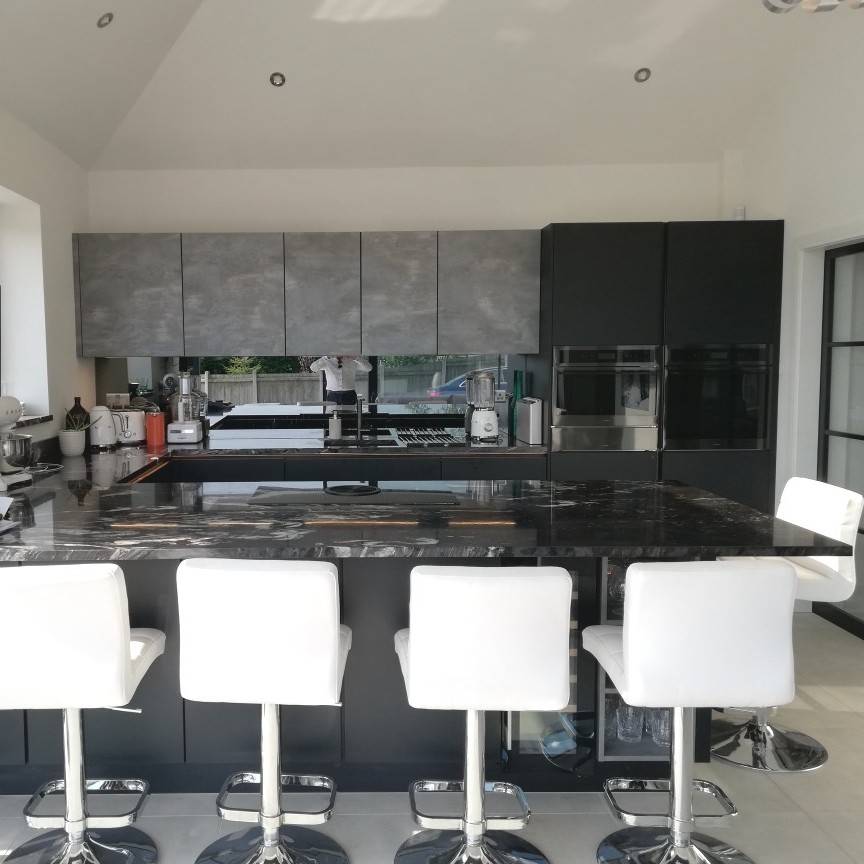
(359, 416)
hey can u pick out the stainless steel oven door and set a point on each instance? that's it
(605, 437)
(605, 408)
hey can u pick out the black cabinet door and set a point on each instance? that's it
(742, 475)
(602, 465)
(494, 468)
(723, 282)
(224, 469)
(363, 468)
(607, 283)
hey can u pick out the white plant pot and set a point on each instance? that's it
(71, 442)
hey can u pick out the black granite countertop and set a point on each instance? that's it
(79, 513)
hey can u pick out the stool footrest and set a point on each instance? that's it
(96, 785)
(286, 817)
(660, 820)
(456, 823)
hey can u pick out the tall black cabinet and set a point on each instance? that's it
(723, 287)
(670, 284)
(602, 283)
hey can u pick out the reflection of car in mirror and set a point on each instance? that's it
(455, 389)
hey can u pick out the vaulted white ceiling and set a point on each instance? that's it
(174, 84)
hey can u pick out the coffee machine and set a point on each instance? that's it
(482, 419)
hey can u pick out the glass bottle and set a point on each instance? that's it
(77, 417)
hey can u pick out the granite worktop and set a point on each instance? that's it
(78, 513)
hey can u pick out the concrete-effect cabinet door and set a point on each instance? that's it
(398, 291)
(130, 296)
(233, 294)
(322, 293)
(489, 292)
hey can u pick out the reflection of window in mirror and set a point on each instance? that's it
(392, 379)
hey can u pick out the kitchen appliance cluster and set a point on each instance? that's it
(121, 424)
(644, 397)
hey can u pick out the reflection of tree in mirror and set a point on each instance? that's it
(248, 365)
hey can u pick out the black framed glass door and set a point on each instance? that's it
(841, 414)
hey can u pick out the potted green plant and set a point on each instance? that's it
(72, 438)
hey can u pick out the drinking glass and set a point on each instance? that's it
(661, 731)
(630, 719)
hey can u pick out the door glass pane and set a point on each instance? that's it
(848, 312)
(846, 406)
(845, 465)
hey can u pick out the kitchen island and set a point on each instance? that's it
(375, 741)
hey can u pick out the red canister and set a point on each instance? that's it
(155, 429)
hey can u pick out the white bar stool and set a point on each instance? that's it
(754, 741)
(66, 643)
(690, 632)
(482, 638)
(294, 654)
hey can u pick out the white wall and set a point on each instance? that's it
(24, 360)
(803, 165)
(400, 199)
(34, 169)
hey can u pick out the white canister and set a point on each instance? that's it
(102, 433)
(334, 427)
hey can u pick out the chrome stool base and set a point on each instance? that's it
(99, 846)
(297, 846)
(765, 747)
(450, 847)
(654, 846)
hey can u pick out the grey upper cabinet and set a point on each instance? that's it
(130, 294)
(322, 293)
(489, 292)
(398, 281)
(233, 294)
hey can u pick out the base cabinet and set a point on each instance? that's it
(742, 475)
(597, 465)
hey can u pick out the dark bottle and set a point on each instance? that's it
(77, 417)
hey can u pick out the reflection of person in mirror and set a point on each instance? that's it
(340, 371)
(633, 396)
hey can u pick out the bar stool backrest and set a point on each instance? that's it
(259, 631)
(829, 510)
(64, 642)
(693, 629)
(489, 638)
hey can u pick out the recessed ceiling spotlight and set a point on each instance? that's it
(642, 75)
(105, 20)
(277, 79)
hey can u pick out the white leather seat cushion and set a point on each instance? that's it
(65, 640)
(692, 630)
(145, 645)
(829, 510)
(261, 631)
(487, 638)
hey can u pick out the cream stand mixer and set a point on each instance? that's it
(15, 452)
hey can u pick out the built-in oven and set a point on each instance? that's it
(717, 397)
(605, 397)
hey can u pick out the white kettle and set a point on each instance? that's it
(102, 433)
